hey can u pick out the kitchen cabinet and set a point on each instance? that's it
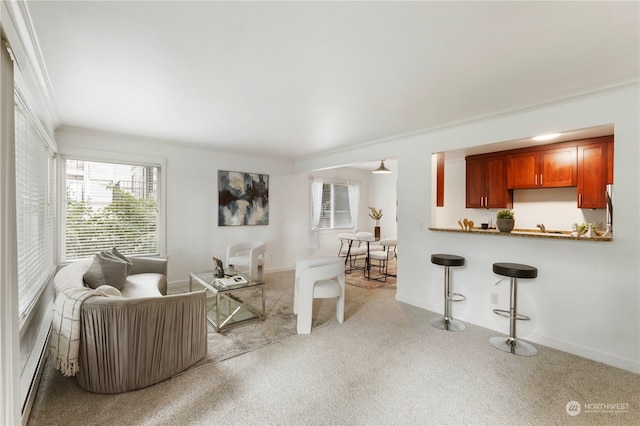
(594, 172)
(610, 161)
(440, 179)
(486, 182)
(542, 167)
(586, 164)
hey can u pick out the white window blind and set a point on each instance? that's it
(110, 205)
(335, 207)
(35, 209)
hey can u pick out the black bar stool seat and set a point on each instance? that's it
(446, 322)
(447, 259)
(511, 343)
(515, 270)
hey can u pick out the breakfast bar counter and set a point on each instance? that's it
(525, 233)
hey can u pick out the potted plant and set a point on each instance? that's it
(587, 230)
(376, 215)
(505, 220)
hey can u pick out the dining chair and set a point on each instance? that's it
(351, 250)
(381, 258)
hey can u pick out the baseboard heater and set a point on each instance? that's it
(30, 396)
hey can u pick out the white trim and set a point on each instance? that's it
(9, 333)
(28, 54)
(35, 363)
(112, 157)
(119, 158)
(30, 82)
(29, 111)
(379, 147)
(572, 348)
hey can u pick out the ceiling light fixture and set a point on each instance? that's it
(381, 169)
(546, 137)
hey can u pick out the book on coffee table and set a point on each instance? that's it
(236, 279)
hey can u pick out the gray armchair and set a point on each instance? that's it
(141, 338)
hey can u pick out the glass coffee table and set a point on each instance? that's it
(224, 308)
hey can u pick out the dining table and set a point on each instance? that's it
(361, 237)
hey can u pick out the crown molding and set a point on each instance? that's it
(633, 82)
(29, 61)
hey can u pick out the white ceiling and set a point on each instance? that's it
(291, 79)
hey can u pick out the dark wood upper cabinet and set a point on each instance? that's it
(558, 167)
(475, 177)
(610, 161)
(587, 164)
(522, 170)
(542, 168)
(486, 183)
(595, 170)
(440, 179)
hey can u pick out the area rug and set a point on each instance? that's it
(357, 278)
(280, 323)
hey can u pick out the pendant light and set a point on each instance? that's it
(381, 169)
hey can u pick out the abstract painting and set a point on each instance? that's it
(243, 198)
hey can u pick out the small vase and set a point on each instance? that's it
(376, 232)
(505, 225)
(590, 233)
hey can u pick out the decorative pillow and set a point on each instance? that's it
(107, 290)
(119, 255)
(106, 269)
(93, 276)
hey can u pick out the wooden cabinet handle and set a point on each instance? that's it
(540, 179)
(535, 180)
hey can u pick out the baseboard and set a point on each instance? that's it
(35, 382)
(279, 269)
(568, 347)
(420, 303)
(585, 352)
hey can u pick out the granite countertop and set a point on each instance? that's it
(524, 233)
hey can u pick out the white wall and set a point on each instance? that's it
(382, 195)
(586, 298)
(300, 214)
(193, 234)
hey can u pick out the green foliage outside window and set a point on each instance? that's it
(128, 223)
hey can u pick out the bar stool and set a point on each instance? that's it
(446, 322)
(512, 344)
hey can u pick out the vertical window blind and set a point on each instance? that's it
(110, 205)
(35, 209)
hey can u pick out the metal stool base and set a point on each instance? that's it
(448, 325)
(517, 347)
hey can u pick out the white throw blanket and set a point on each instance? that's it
(65, 333)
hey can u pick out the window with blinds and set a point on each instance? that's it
(110, 205)
(335, 212)
(35, 209)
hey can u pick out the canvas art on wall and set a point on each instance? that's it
(243, 198)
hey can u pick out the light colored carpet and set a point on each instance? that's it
(357, 277)
(385, 365)
(280, 323)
